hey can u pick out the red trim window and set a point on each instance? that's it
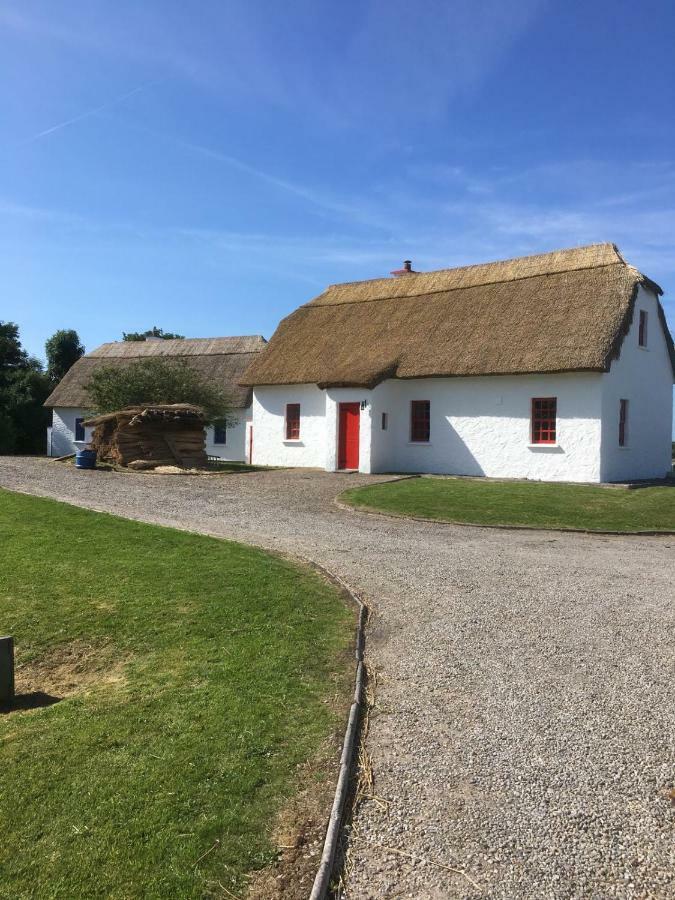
(544, 412)
(292, 421)
(642, 334)
(420, 421)
(623, 422)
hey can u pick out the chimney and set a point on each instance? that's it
(406, 270)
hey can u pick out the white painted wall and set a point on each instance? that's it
(481, 426)
(63, 435)
(63, 430)
(643, 377)
(269, 416)
(234, 449)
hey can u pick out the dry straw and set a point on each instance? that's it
(555, 312)
(221, 361)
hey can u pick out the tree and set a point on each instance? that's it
(23, 389)
(153, 332)
(63, 349)
(12, 354)
(155, 380)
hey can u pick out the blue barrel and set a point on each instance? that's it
(85, 459)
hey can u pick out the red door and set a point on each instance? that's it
(348, 441)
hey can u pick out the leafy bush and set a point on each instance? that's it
(155, 380)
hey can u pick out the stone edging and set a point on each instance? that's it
(322, 880)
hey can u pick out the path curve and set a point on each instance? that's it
(524, 724)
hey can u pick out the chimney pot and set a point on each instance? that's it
(407, 269)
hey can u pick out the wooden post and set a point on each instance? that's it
(6, 670)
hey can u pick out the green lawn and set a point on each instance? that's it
(538, 504)
(212, 671)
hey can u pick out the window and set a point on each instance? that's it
(420, 415)
(384, 421)
(544, 411)
(79, 430)
(623, 422)
(219, 434)
(292, 421)
(642, 336)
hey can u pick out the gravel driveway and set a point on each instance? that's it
(524, 725)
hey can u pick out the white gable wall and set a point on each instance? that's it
(63, 430)
(644, 377)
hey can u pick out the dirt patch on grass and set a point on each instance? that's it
(70, 669)
(300, 832)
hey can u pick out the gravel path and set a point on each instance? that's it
(524, 725)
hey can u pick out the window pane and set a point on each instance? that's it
(420, 420)
(79, 430)
(292, 421)
(219, 435)
(543, 420)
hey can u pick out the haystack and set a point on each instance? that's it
(167, 434)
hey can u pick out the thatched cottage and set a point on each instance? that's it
(222, 360)
(556, 367)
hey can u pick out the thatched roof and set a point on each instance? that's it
(220, 360)
(555, 312)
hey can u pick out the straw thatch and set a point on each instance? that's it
(555, 312)
(163, 434)
(219, 360)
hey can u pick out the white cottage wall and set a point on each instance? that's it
(234, 449)
(270, 448)
(644, 377)
(63, 430)
(481, 426)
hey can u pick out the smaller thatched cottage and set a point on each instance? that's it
(221, 361)
(556, 367)
(158, 435)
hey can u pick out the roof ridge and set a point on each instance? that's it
(496, 262)
(465, 287)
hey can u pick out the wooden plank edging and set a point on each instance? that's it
(322, 879)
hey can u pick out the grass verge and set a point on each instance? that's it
(534, 504)
(199, 678)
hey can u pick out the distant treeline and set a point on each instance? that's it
(25, 384)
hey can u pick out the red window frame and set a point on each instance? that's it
(292, 421)
(420, 421)
(623, 422)
(642, 331)
(544, 416)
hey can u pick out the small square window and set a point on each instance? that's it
(420, 421)
(385, 421)
(79, 429)
(219, 434)
(543, 420)
(292, 421)
(642, 336)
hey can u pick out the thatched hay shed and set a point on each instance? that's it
(167, 434)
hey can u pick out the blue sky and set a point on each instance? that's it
(208, 167)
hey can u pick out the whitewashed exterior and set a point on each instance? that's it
(481, 425)
(61, 435)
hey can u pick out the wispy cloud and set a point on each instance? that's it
(87, 114)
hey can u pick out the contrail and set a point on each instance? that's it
(87, 114)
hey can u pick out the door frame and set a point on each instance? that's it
(355, 405)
